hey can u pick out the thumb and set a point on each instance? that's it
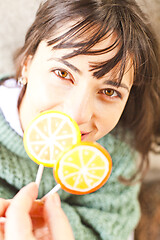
(18, 224)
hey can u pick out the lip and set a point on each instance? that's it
(84, 135)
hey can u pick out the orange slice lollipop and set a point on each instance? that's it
(48, 135)
(84, 168)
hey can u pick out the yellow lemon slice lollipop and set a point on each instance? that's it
(48, 135)
(84, 168)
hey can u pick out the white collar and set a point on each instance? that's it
(9, 94)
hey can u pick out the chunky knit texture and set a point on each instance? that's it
(110, 213)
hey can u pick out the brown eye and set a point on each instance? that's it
(109, 92)
(62, 73)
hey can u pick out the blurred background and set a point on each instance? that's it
(15, 18)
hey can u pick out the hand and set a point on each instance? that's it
(28, 219)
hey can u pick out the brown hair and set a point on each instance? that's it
(94, 20)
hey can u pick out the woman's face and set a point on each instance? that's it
(69, 86)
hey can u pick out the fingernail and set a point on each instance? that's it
(55, 199)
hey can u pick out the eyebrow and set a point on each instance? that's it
(117, 84)
(108, 82)
(75, 69)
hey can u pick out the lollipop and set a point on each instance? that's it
(83, 169)
(47, 136)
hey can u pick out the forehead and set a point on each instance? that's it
(78, 32)
(64, 42)
(46, 55)
(61, 44)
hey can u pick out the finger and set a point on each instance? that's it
(1, 231)
(37, 209)
(18, 225)
(57, 219)
(3, 206)
(25, 197)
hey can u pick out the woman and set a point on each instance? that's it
(96, 61)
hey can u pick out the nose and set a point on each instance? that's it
(79, 105)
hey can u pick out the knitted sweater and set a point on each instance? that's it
(110, 213)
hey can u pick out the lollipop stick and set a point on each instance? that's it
(39, 174)
(55, 189)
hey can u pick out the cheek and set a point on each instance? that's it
(110, 118)
(107, 124)
(43, 97)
